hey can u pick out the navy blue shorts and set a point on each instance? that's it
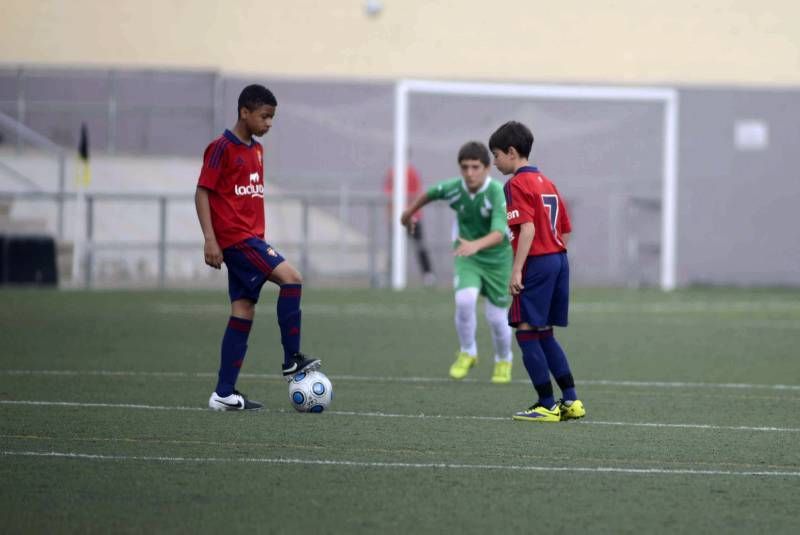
(250, 263)
(545, 299)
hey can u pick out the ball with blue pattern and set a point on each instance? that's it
(310, 391)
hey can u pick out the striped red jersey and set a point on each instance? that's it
(233, 174)
(532, 198)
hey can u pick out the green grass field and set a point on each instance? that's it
(693, 422)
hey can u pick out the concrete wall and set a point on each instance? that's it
(739, 217)
(612, 41)
(737, 204)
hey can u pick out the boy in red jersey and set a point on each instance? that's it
(230, 207)
(540, 228)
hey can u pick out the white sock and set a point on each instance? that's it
(497, 317)
(466, 299)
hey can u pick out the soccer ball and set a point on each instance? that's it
(310, 391)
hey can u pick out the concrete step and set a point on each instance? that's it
(27, 226)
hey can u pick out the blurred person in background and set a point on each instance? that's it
(413, 188)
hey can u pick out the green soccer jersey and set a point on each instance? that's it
(478, 214)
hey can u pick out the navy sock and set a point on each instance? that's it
(536, 363)
(289, 319)
(234, 348)
(557, 362)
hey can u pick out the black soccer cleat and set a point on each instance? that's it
(300, 363)
(235, 402)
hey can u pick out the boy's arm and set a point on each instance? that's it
(469, 248)
(407, 218)
(524, 241)
(211, 249)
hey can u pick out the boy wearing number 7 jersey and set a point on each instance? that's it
(540, 228)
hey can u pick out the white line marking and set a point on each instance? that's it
(406, 310)
(588, 382)
(421, 416)
(734, 314)
(364, 464)
(99, 405)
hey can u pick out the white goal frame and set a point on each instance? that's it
(666, 96)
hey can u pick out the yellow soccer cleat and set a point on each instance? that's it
(461, 366)
(538, 413)
(502, 372)
(571, 410)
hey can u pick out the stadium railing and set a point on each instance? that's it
(313, 213)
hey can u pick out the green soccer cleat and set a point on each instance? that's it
(538, 413)
(571, 410)
(461, 366)
(502, 372)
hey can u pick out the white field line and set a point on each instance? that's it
(732, 315)
(406, 310)
(391, 465)
(374, 414)
(388, 379)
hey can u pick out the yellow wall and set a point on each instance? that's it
(642, 41)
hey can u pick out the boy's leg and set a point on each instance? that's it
(536, 363)
(428, 277)
(466, 283)
(528, 311)
(497, 318)
(234, 345)
(571, 406)
(289, 318)
(243, 295)
(558, 364)
(494, 286)
(465, 320)
(467, 357)
(558, 315)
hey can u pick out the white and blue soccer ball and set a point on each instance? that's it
(310, 391)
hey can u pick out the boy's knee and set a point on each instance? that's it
(243, 308)
(286, 273)
(291, 277)
(528, 327)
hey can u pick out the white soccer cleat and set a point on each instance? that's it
(235, 402)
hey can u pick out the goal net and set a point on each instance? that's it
(612, 151)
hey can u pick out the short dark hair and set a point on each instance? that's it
(254, 96)
(474, 150)
(512, 134)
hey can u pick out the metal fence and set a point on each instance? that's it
(327, 234)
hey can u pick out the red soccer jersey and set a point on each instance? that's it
(532, 198)
(413, 187)
(233, 173)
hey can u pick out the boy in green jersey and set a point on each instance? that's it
(482, 256)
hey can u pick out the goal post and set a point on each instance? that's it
(669, 180)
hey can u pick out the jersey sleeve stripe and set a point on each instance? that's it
(218, 151)
(222, 148)
(214, 150)
(507, 192)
